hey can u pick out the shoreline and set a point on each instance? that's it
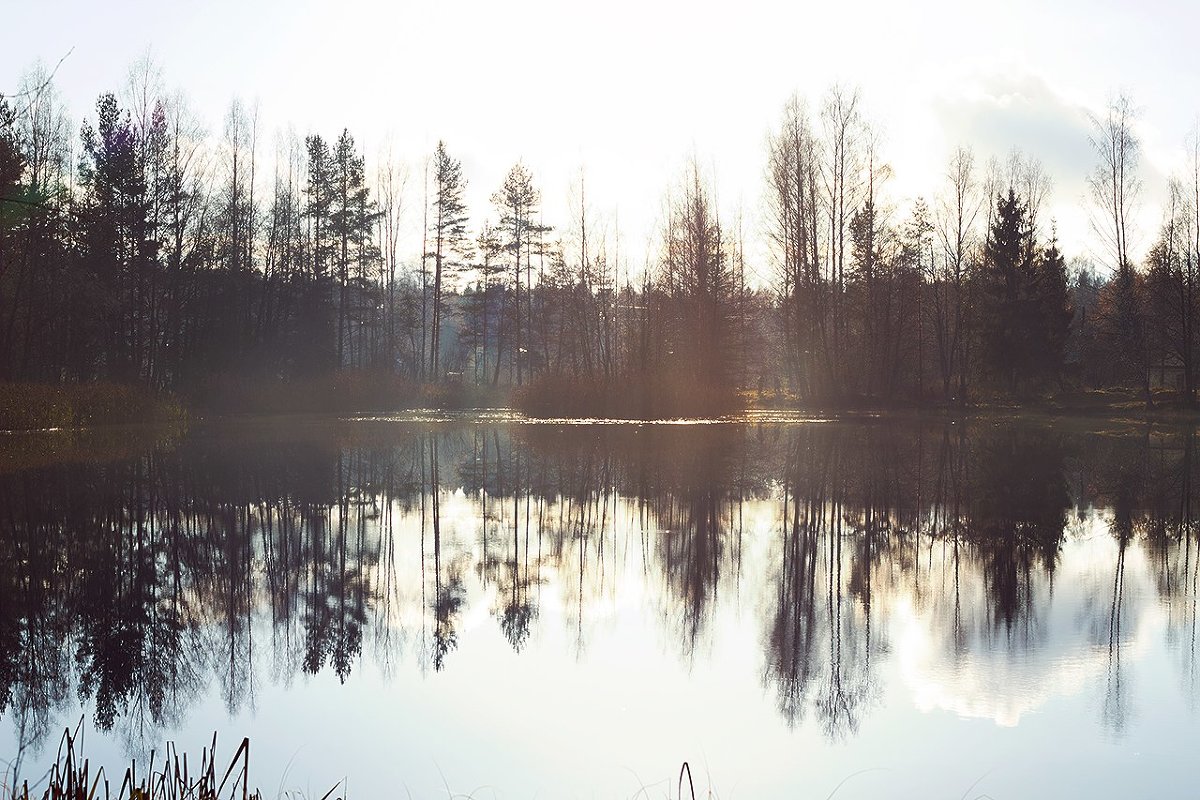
(39, 408)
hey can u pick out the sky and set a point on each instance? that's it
(625, 92)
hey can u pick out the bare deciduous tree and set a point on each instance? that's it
(958, 212)
(1114, 183)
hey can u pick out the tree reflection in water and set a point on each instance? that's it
(354, 541)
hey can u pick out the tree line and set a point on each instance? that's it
(146, 251)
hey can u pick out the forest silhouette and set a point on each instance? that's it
(146, 253)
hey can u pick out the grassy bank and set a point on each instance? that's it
(659, 397)
(351, 391)
(39, 406)
(75, 407)
(1116, 404)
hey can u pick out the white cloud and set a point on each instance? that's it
(632, 88)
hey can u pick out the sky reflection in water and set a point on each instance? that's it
(573, 610)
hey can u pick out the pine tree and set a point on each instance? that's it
(1124, 329)
(517, 201)
(118, 252)
(319, 191)
(489, 248)
(316, 315)
(448, 236)
(350, 223)
(13, 207)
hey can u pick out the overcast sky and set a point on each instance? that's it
(629, 89)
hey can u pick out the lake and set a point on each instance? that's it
(477, 605)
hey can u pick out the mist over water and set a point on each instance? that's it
(479, 605)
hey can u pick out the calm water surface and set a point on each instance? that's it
(475, 606)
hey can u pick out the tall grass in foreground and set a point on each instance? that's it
(173, 778)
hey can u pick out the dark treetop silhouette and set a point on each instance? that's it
(170, 261)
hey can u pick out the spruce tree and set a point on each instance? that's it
(1051, 293)
(350, 218)
(1004, 318)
